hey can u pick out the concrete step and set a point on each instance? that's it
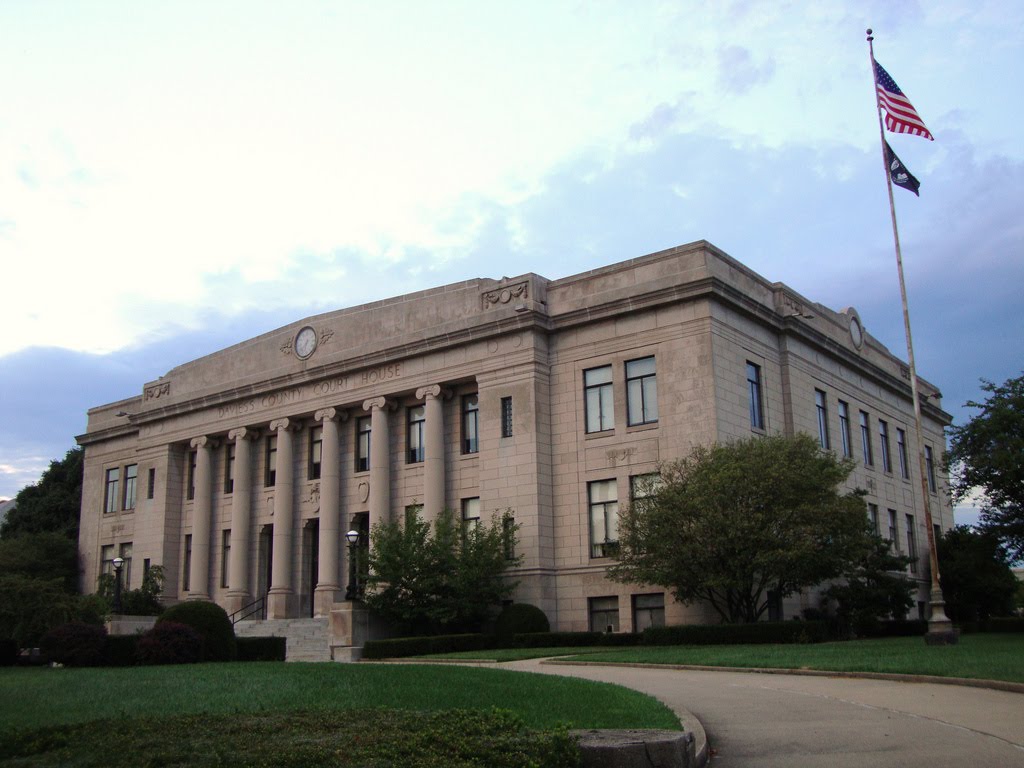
(306, 639)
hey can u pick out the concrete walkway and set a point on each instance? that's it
(788, 720)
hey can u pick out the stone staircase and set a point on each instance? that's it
(307, 639)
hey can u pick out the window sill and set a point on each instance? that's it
(597, 435)
(646, 426)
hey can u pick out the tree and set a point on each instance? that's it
(434, 579)
(53, 504)
(46, 556)
(876, 587)
(987, 453)
(731, 523)
(975, 574)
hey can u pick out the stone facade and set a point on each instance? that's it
(240, 472)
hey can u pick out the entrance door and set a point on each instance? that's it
(310, 564)
(266, 562)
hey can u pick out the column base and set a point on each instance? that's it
(282, 604)
(324, 598)
(940, 629)
(198, 596)
(236, 601)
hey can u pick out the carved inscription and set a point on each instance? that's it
(254, 404)
(383, 373)
(330, 387)
(157, 391)
(505, 295)
(621, 456)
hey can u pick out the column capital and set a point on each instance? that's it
(244, 433)
(286, 425)
(435, 391)
(203, 442)
(379, 402)
(330, 414)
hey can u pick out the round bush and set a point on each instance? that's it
(75, 644)
(211, 622)
(170, 642)
(520, 618)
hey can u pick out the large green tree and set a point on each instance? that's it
(974, 570)
(987, 453)
(431, 579)
(731, 523)
(876, 587)
(51, 505)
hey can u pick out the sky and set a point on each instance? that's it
(179, 177)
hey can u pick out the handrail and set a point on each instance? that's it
(259, 605)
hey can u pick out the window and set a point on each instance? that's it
(316, 451)
(641, 392)
(844, 428)
(186, 563)
(821, 405)
(873, 519)
(901, 450)
(470, 514)
(911, 543)
(604, 614)
(597, 390)
(413, 512)
(883, 439)
(151, 483)
(648, 611)
(470, 424)
(865, 439)
(643, 487)
(107, 559)
(131, 474)
(604, 518)
(190, 491)
(125, 553)
(929, 468)
(506, 417)
(417, 423)
(508, 534)
(270, 464)
(894, 534)
(113, 483)
(363, 444)
(229, 468)
(225, 559)
(756, 401)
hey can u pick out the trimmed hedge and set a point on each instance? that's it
(75, 645)
(211, 622)
(8, 652)
(170, 642)
(120, 650)
(421, 646)
(519, 618)
(261, 648)
(573, 639)
(1006, 624)
(761, 633)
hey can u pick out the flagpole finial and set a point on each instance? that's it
(870, 36)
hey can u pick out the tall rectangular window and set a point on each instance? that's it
(604, 614)
(597, 390)
(911, 543)
(901, 451)
(190, 490)
(844, 429)
(125, 553)
(131, 476)
(413, 512)
(643, 487)
(470, 514)
(648, 611)
(929, 468)
(821, 406)
(641, 392)
(107, 559)
(225, 556)
(508, 534)
(363, 444)
(470, 424)
(603, 500)
(113, 483)
(229, 468)
(416, 438)
(151, 483)
(894, 534)
(873, 519)
(865, 439)
(316, 450)
(506, 417)
(270, 462)
(883, 440)
(186, 564)
(756, 396)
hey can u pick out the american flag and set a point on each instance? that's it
(900, 115)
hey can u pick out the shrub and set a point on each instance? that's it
(517, 619)
(759, 633)
(170, 642)
(1010, 624)
(573, 639)
(261, 648)
(120, 650)
(211, 622)
(421, 646)
(8, 652)
(75, 645)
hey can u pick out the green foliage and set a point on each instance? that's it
(975, 574)
(170, 642)
(519, 618)
(51, 505)
(210, 621)
(758, 633)
(421, 646)
(875, 588)
(42, 555)
(730, 523)
(30, 607)
(75, 645)
(120, 650)
(987, 453)
(433, 579)
(144, 601)
(574, 639)
(261, 648)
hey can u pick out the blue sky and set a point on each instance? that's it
(178, 177)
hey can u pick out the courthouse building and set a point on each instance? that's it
(541, 401)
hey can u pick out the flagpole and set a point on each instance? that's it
(940, 628)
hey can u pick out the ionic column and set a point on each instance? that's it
(202, 513)
(380, 460)
(433, 459)
(281, 597)
(241, 519)
(328, 588)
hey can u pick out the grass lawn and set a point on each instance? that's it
(984, 656)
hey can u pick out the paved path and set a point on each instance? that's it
(789, 720)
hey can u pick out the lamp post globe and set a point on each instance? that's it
(118, 565)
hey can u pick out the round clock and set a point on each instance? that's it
(305, 342)
(856, 332)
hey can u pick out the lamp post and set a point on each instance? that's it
(118, 565)
(354, 590)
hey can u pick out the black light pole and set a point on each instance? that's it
(118, 565)
(353, 591)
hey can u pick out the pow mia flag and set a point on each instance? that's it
(898, 172)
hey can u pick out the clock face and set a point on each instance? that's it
(856, 332)
(305, 343)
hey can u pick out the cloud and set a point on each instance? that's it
(738, 72)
